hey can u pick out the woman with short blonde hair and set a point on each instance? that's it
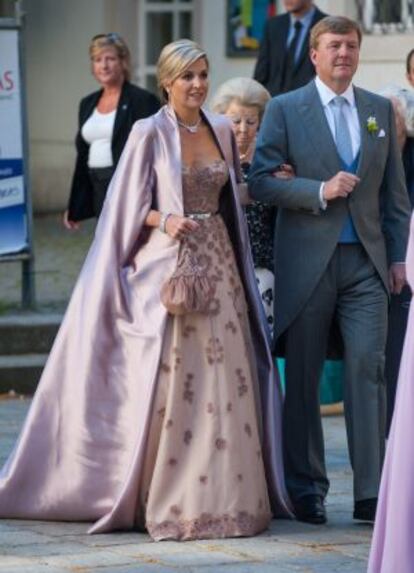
(105, 120)
(174, 59)
(113, 41)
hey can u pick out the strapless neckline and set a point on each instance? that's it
(201, 166)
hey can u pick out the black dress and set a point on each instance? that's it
(399, 305)
(260, 222)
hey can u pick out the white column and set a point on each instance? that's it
(368, 14)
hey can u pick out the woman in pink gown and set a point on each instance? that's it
(159, 407)
(392, 549)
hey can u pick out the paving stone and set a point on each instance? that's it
(171, 553)
(288, 546)
(21, 537)
(145, 568)
(89, 560)
(8, 561)
(71, 531)
(34, 568)
(40, 550)
(112, 539)
(246, 568)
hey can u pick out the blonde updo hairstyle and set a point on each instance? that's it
(243, 91)
(174, 59)
(112, 40)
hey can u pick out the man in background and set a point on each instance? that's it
(284, 63)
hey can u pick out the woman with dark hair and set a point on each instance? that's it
(105, 120)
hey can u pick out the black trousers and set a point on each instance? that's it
(100, 178)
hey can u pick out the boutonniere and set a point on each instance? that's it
(372, 124)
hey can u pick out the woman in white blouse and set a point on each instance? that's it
(105, 120)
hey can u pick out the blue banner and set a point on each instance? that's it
(10, 168)
(13, 230)
(13, 209)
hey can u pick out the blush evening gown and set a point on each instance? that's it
(142, 419)
(203, 473)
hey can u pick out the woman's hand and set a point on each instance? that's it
(179, 227)
(285, 171)
(71, 225)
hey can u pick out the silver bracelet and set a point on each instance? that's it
(163, 222)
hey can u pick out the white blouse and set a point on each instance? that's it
(97, 131)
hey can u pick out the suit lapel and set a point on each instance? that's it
(121, 110)
(317, 128)
(365, 110)
(283, 36)
(91, 105)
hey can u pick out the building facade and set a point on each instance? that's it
(57, 35)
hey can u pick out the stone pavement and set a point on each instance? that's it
(58, 258)
(340, 546)
(34, 547)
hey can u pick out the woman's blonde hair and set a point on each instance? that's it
(174, 59)
(244, 91)
(112, 40)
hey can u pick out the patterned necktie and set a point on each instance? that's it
(342, 134)
(290, 58)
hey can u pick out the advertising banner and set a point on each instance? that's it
(13, 209)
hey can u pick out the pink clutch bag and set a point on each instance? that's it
(189, 289)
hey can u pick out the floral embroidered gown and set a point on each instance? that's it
(203, 472)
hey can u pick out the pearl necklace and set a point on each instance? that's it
(190, 128)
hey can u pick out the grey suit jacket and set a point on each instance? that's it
(295, 130)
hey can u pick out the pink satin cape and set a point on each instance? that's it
(80, 453)
(392, 549)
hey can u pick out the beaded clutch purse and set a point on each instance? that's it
(189, 289)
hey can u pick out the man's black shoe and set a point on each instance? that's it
(310, 509)
(365, 509)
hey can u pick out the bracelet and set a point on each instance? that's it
(163, 222)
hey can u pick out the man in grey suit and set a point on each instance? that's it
(340, 242)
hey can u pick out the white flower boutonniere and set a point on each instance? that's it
(372, 124)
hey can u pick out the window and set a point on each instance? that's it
(386, 16)
(160, 22)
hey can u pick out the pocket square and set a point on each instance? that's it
(381, 133)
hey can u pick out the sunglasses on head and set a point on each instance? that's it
(111, 36)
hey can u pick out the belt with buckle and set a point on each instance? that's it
(199, 216)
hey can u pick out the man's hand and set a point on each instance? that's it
(397, 277)
(340, 186)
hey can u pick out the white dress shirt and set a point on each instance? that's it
(351, 115)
